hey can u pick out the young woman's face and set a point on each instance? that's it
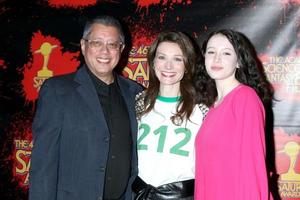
(220, 58)
(169, 64)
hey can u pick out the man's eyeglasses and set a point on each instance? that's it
(98, 44)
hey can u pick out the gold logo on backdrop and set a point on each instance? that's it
(45, 49)
(23, 152)
(292, 150)
(141, 73)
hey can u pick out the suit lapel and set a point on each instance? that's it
(87, 91)
(128, 97)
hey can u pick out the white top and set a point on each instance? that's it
(166, 151)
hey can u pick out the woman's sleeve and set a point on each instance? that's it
(250, 117)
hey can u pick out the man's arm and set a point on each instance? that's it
(45, 153)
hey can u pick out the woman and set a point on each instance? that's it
(169, 119)
(230, 145)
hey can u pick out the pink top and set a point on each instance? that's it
(230, 150)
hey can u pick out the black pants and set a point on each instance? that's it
(181, 190)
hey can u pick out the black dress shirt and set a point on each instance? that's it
(120, 141)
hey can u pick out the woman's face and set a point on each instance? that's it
(220, 58)
(169, 64)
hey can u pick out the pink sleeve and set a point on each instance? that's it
(250, 116)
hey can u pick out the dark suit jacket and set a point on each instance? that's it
(71, 139)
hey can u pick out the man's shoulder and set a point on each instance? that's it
(61, 83)
(64, 79)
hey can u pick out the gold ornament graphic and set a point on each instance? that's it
(292, 150)
(45, 50)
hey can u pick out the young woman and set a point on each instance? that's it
(230, 145)
(169, 120)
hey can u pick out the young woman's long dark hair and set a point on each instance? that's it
(250, 71)
(187, 89)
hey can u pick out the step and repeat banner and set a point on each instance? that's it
(40, 39)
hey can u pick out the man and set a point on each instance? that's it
(84, 130)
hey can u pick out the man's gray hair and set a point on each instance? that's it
(104, 20)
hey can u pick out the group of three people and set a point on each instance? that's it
(98, 135)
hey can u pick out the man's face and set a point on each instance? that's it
(102, 50)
